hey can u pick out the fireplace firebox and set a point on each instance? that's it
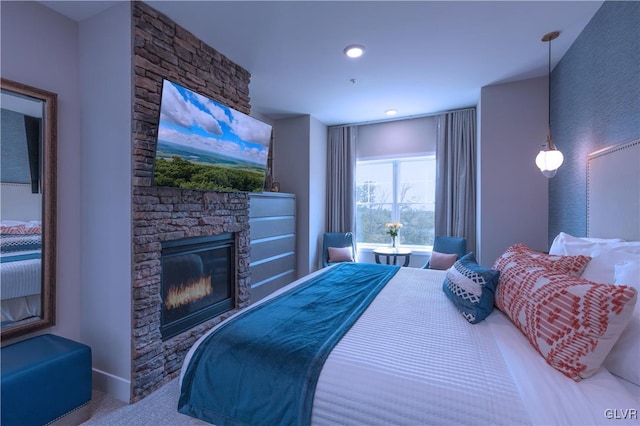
(197, 281)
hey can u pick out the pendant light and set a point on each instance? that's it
(549, 159)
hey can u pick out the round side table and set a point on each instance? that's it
(392, 255)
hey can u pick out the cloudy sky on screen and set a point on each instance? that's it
(192, 120)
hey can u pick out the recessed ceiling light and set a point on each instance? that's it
(391, 112)
(354, 51)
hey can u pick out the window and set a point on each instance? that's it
(396, 190)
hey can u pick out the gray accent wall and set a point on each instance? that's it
(595, 103)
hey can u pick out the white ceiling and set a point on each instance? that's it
(421, 57)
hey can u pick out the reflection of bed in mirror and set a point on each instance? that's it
(20, 236)
(28, 125)
(20, 271)
(21, 211)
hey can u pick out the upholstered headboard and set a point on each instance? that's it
(613, 192)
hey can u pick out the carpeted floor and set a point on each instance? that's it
(157, 409)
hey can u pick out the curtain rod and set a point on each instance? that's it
(409, 117)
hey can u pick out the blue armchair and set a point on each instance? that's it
(449, 245)
(338, 240)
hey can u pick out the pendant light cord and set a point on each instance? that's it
(549, 142)
(547, 38)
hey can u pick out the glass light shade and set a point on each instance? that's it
(354, 51)
(548, 161)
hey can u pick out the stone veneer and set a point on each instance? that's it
(162, 49)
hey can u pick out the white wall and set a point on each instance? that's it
(40, 48)
(299, 164)
(512, 193)
(105, 64)
(318, 134)
(291, 168)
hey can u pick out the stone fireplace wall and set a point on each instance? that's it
(162, 49)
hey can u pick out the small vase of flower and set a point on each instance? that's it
(392, 229)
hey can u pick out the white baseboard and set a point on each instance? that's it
(115, 386)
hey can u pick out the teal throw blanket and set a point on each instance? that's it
(261, 368)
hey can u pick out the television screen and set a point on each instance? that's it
(203, 144)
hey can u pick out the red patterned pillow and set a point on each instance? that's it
(33, 228)
(13, 229)
(573, 323)
(573, 265)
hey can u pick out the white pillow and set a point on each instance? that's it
(628, 273)
(605, 257)
(604, 253)
(559, 242)
(12, 222)
(624, 358)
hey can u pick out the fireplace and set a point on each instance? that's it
(197, 281)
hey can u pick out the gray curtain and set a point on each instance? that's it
(455, 213)
(341, 168)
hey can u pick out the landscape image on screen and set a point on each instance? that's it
(203, 144)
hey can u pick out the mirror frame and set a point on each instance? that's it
(49, 196)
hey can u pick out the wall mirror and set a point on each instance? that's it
(27, 208)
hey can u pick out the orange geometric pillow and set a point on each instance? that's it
(573, 323)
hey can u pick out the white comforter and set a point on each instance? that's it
(20, 278)
(412, 359)
(20, 292)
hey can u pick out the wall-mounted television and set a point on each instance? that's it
(203, 144)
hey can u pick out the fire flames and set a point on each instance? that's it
(184, 294)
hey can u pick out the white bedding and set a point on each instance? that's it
(553, 398)
(20, 292)
(20, 308)
(411, 358)
(20, 278)
(424, 361)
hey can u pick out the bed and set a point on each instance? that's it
(537, 338)
(412, 358)
(20, 271)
